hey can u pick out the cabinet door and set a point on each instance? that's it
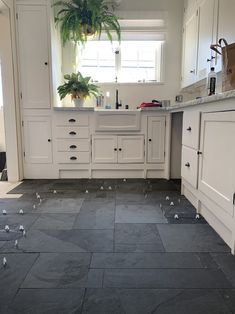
(131, 149)
(217, 166)
(205, 37)
(37, 139)
(190, 40)
(34, 56)
(156, 139)
(104, 149)
(226, 24)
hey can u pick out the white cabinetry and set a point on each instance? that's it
(37, 139)
(217, 166)
(190, 38)
(118, 149)
(34, 56)
(156, 139)
(205, 37)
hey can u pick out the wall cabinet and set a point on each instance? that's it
(33, 46)
(37, 139)
(217, 167)
(156, 139)
(118, 149)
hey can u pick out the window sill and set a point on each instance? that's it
(130, 83)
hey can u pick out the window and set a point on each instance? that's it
(133, 60)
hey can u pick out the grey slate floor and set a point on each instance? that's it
(115, 250)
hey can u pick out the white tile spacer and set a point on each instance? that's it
(7, 229)
(101, 188)
(110, 188)
(24, 233)
(167, 198)
(197, 216)
(87, 192)
(34, 206)
(4, 212)
(124, 180)
(16, 244)
(179, 200)
(38, 196)
(4, 261)
(21, 228)
(146, 195)
(172, 204)
(160, 205)
(21, 212)
(176, 216)
(54, 192)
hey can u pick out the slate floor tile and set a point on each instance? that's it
(59, 270)
(165, 278)
(55, 221)
(13, 205)
(61, 205)
(157, 301)
(102, 301)
(226, 262)
(53, 301)
(139, 214)
(74, 240)
(191, 238)
(13, 274)
(229, 298)
(96, 214)
(138, 247)
(152, 260)
(137, 234)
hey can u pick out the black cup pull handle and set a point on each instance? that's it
(187, 165)
(72, 120)
(73, 158)
(72, 133)
(189, 129)
(73, 146)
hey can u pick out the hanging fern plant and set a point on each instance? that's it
(79, 19)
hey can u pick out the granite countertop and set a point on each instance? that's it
(204, 100)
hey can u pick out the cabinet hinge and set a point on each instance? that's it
(21, 96)
(24, 154)
(22, 123)
(197, 13)
(233, 198)
(17, 16)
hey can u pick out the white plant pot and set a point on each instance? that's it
(78, 102)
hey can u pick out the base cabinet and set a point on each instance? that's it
(118, 149)
(37, 139)
(156, 139)
(217, 166)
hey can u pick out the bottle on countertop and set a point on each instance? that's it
(211, 82)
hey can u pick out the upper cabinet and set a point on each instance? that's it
(198, 35)
(206, 12)
(33, 43)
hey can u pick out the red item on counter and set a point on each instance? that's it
(150, 104)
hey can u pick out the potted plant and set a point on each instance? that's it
(78, 87)
(79, 19)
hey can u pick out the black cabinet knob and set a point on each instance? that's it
(49, 140)
(46, 63)
(72, 133)
(73, 146)
(187, 165)
(189, 129)
(150, 140)
(199, 153)
(120, 149)
(73, 158)
(115, 149)
(72, 120)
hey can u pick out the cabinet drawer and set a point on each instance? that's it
(71, 118)
(191, 126)
(189, 168)
(72, 132)
(70, 145)
(73, 158)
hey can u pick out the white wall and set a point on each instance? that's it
(134, 94)
(2, 132)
